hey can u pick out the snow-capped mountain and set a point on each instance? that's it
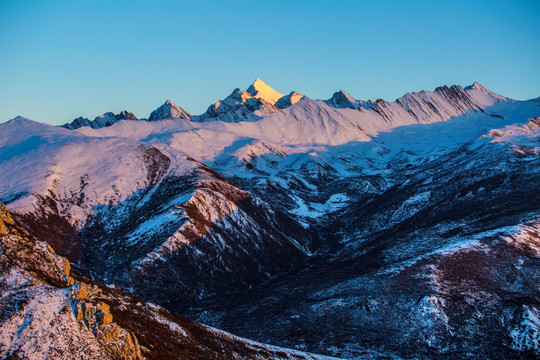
(169, 110)
(104, 120)
(341, 99)
(142, 204)
(261, 90)
(356, 229)
(238, 106)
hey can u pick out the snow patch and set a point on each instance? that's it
(526, 335)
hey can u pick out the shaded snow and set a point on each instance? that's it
(526, 335)
(314, 210)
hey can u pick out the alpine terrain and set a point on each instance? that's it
(346, 228)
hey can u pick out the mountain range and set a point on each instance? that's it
(340, 227)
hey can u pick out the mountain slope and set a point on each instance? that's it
(357, 229)
(46, 313)
(437, 245)
(152, 210)
(288, 100)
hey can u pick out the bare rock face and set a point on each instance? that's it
(5, 219)
(26, 252)
(96, 315)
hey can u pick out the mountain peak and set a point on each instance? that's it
(480, 87)
(169, 110)
(19, 118)
(261, 90)
(21, 121)
(477, 85)
(342, 99)
(126, 115)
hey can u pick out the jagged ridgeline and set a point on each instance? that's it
(344, 227)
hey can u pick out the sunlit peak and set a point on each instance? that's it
(262, 90)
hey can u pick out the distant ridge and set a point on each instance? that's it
(261, 100)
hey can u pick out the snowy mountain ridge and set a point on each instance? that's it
(107, 119)
(304, 214)
(258, 101)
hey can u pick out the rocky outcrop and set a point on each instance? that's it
(96, 316)
(533, 124)
(20, 249)
(5, 220)
(26, 260)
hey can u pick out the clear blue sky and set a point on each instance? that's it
(63, 59)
